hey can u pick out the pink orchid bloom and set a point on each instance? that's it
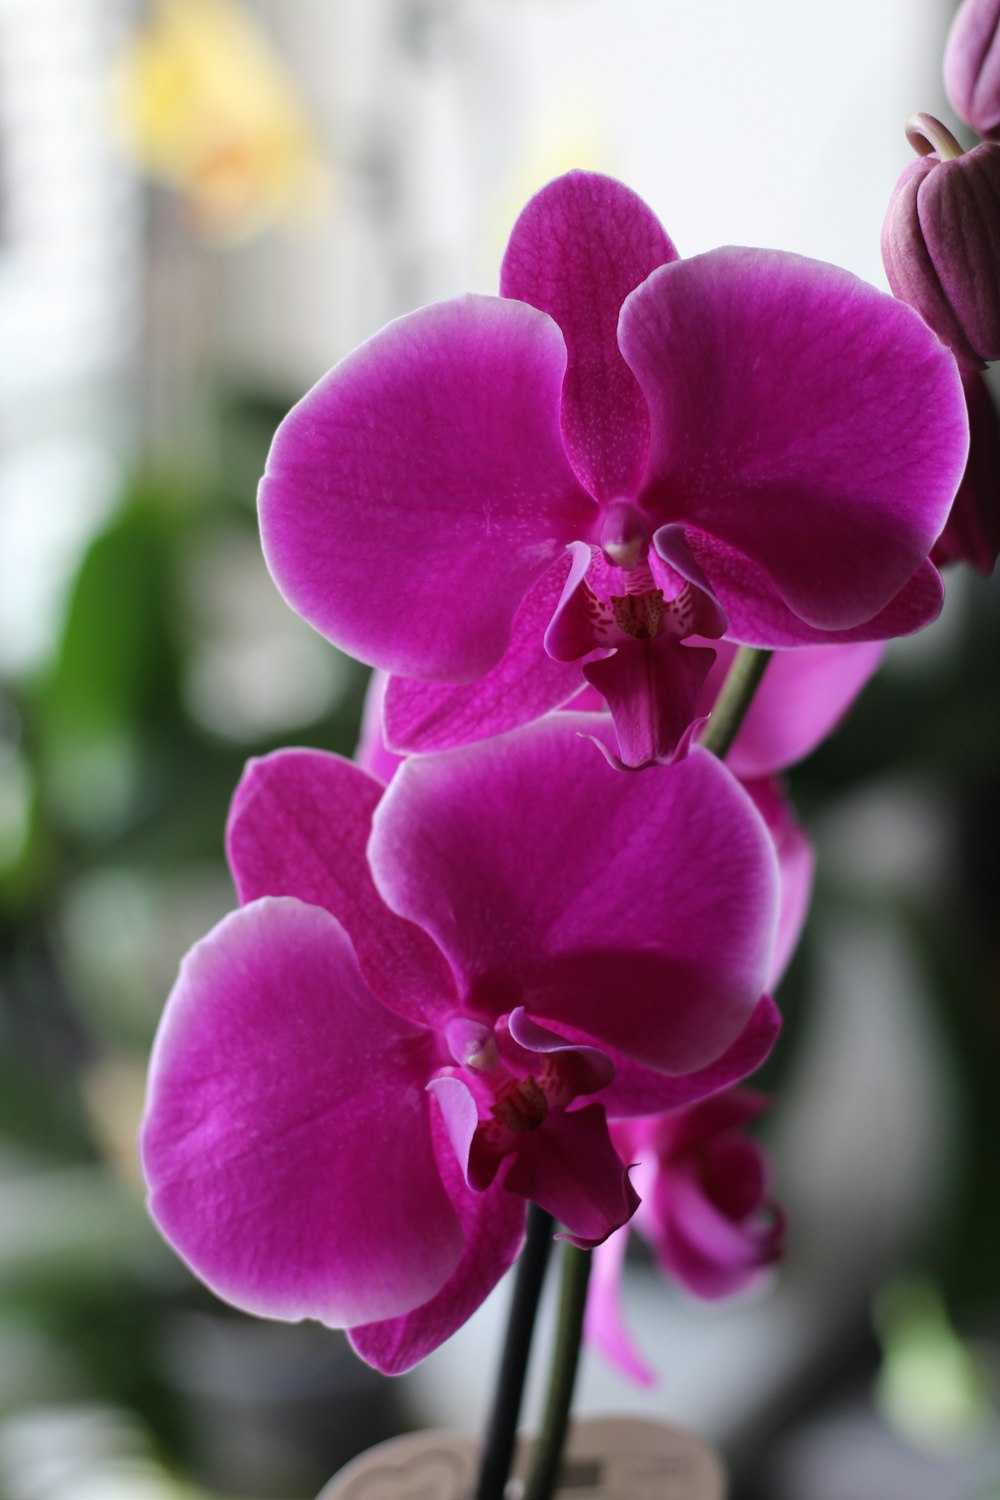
(705, 1211)
(801, 698)
(622, 453)
(431, 1002)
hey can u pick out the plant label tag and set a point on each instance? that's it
(607, 1458)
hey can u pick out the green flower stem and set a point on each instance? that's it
(498, 1448)
(546, 1455)
(734, 700)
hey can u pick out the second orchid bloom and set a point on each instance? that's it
(620, 459)
(432, 1002)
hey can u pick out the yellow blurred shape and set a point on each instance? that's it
(209, 108)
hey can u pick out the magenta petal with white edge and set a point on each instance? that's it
(287, 1139)
(577, 250)
(796, 866)
(493, 1229)
(423, 717)
(758, 616)
(416, 493)
(299, 825)
(802, 697)
(800, 416)
(659, 890)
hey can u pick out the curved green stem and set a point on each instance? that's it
(546, 1455)
(734, 700)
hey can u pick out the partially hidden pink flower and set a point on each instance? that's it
(706, 1212)
(430, 1004)
(597, 474)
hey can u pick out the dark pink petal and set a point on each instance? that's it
(796, 866)
(801, 417)
(639, 909)
(493, 1229)
(371, 754)
(299, 826)
(637, 1090)
(759, 617)
(582, 1069)
(573, 634)
(577, 250)
(571, 1169)
(604, 1325)
(684, 1132)
(652, 689)
(801, 699)
(524, 684)
(710, 1254)
(287, 1139)
(416, 493)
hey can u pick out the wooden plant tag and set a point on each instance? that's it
(607, 1458)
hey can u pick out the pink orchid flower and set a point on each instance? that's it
(802, 697)
(430, 1004)
(705, 1212)
(623, 454)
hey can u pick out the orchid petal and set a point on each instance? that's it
(577, 250)
(424, 717)
(796, 866)
(708, 1253)
(802, 697)
(287, 1139)
(507, 878)
(813, 424)
(417, 492)
(371, 754)
(571, 1169)
(493, 1230)
(299, 825)
(759, 617)
(637, 1090)
(683, 1132)
(652, 688)
(604, 1324)
(573, 633)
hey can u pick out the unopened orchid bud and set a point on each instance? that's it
(972, 531)
(972, 65)
(941, 241)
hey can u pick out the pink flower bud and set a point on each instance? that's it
(972, 65)
(941, 247)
